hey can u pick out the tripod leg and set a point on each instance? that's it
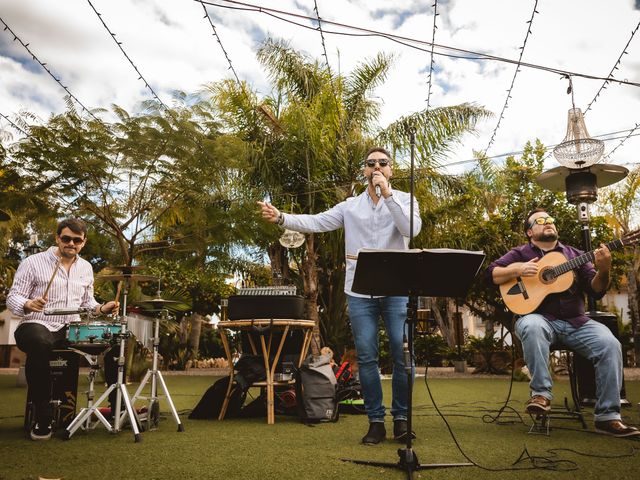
(173, 408)
(129, 410)
(85, 415)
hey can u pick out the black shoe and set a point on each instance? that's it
(376, 434)
(400, 431)
(40, 433)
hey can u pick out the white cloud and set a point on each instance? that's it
(173, 46)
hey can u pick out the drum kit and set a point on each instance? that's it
(93, 338)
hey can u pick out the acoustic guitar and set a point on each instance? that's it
(523, 295)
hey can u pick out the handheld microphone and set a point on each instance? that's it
(66, 311)
(378, 192)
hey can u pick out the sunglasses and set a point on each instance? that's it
(542, 221)
(68, 239)
(383, 162)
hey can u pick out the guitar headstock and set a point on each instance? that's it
(631, 238)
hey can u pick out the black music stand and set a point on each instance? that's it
(433, 273)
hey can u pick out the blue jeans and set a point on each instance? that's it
(364, 314)
(593, 340)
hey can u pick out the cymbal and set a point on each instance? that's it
(127, 276)
(156, 302)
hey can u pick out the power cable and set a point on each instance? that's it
(46, 69)
(513, 80)
(243, 6)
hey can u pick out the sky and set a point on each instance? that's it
(172, 45)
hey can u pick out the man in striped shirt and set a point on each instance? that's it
(55, 279)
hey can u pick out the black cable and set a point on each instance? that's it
(401, 39)
(431, 61)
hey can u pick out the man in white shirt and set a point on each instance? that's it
(36, 286)
(377, 218)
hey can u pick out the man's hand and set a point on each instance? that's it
(529, 269)
(377, 178)
(269, 212)
(602, 260)
(35, 304)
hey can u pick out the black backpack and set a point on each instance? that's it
(210, 404)
(316, 389)
(250, 368)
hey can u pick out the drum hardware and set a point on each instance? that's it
(122, 395)
(153, 408)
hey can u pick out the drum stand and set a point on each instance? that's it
(84, 417)
(153, 409)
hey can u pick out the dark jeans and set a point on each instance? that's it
(37, 342)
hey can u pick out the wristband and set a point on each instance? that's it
(280, 220)
(100, 309)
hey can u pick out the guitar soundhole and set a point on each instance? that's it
(546, 276)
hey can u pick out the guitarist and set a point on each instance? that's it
(561, 319)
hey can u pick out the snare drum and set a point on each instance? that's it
(92, 337)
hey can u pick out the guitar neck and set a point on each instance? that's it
(582, 259)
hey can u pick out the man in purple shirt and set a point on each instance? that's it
(560, 319)
(55, 279)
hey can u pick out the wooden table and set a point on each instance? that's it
(266, 328)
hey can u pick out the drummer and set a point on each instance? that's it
(55, 278)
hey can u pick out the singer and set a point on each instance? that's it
(57, 278)
(377, 218)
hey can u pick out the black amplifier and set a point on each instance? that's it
(243, 307)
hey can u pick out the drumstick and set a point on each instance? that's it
(53, 275)
(118, 290)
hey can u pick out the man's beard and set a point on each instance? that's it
(546, 237)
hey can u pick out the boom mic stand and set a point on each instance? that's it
(437, 272)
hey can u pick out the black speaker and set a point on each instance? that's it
(64, 365)
(585, 373)
(242, 307)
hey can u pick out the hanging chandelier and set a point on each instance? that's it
(578, 150)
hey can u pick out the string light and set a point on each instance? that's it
(46, 69)
(615, 67)
(119, 44)
(215, 34)
(432, 62)
(513, 80)
(407, 41)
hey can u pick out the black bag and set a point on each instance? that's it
(211, 402)
(316, 391)
(250, 368)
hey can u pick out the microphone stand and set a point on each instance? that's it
(408, 460)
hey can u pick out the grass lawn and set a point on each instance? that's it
(251, 449)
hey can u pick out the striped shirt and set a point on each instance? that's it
(73, 289)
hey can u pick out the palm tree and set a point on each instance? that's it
(306, 142)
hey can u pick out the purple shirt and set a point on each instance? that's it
(567, 305)
(68, 290)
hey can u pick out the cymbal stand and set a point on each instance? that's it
(153, 409)
(92, 359)
(122, 395)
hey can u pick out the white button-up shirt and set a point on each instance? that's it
(73, 289)
(366, 225)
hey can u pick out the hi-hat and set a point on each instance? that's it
(127, 276)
